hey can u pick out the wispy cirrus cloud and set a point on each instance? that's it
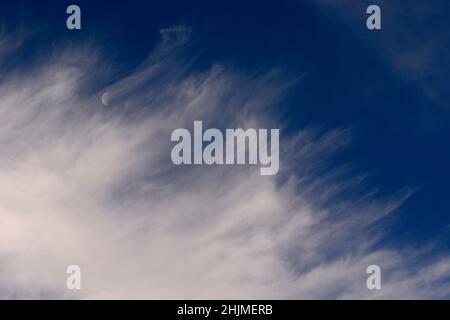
(85, 184)
(414, 39)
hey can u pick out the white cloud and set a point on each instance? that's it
(85, 184)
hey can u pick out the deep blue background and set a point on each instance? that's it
(401, 134)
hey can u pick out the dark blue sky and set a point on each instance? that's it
(390, 86)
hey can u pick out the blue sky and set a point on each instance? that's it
(385, 91)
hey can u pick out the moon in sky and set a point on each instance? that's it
(106, 98)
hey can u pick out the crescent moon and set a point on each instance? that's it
(105, 98)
